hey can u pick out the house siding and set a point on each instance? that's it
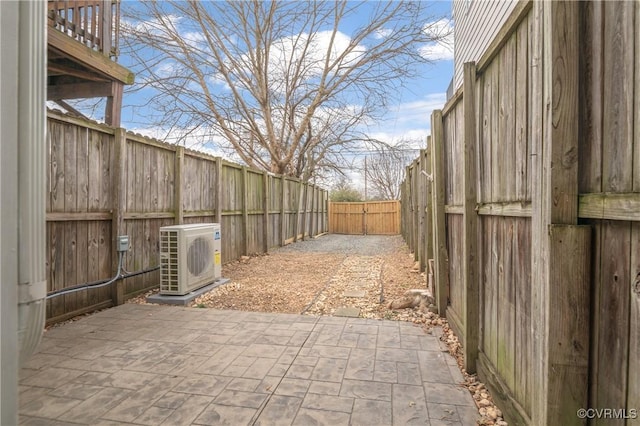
(476, 23)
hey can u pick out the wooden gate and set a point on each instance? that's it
(373, 218)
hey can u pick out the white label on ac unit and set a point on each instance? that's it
(216, 235)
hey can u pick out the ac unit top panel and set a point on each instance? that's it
(189, 226)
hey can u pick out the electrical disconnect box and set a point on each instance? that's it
(123, 243)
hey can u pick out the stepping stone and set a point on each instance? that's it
(349, 311)
(355, 293)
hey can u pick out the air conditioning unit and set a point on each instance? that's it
(190, 257)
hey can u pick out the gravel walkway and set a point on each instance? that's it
(363, 245)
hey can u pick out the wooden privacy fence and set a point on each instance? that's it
(365, 218)
(528, 201)
(104, 182)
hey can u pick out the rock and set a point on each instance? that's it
(413, 298)
(405, 302)
(491, 413)
(484, 403)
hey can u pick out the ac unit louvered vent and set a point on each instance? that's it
(189, 257)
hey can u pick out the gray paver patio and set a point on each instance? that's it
(166, 365)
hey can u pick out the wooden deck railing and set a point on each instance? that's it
(93, 23)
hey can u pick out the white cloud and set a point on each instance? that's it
(382, 33)
(166, 69)
(436, 52)
(420, 110)
(152, 26)
(408, 121)
(218, 80)
(194, 37)
(442, 30)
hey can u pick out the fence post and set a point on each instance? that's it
(283, 210)
(420, 210)
(441, 256)
(177, 186)
(470, 275)
(314, 195)
(218, 194)
(119, 204)
(265, 205)
(414, 209)
(297, 216)
(245, 213)
(305, 185)
(325, 202)
(428, 225)
(560, 283)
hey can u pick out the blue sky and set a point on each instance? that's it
(406, 119)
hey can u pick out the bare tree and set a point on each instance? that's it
(277, 83)
(386, 169)
(344, 191)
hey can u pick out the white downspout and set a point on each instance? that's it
(8, 213)
(32, 148)
(23, 40)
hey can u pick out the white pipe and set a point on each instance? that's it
(32, 80)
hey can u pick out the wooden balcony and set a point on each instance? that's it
(83, 39)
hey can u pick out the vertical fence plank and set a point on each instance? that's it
(245, 212)
(428, 222)
(554, 203)
(314, 206)
(613, 319)
(592, 84)
(569, 314)
(119, 204)
(636, 106)
(618, 96)
(521, 103)
(421, 212)
(633, 380)
(296, 219)
(470, 238)
(537, 222)
(283, 210)
(441, 257)
(218, 189)
(304, 210)
(266, 223)
(178, 201)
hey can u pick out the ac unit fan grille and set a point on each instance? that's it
(199, 256)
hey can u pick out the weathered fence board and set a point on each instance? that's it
(633, 380)
(104, 182)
